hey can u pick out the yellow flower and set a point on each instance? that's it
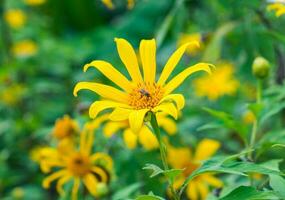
(109, 4)
(12, 94)
(34, 2)
(65, 128)
(15, 18)
(81, 166)
(219, 84)
(183, 158)
(248, 117)
(192, 37)
(140, 94)
(278, 7)
(145, 136)
(24, 48)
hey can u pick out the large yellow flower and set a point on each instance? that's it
(183, 158)
(140, 94)
(219, 84)
(278, 7)
(80, 166)
(16, 18)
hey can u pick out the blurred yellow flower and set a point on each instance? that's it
(248, 117)
(12, 94)
(15, 18)
(145, 136)
(34, 2)
(219, 84)
(139, 95)
(183, 158)
(24, 48)
(80, 165)
(18, 193)
(109, 4)
(191, 37)
(65, 128)
(278, 7)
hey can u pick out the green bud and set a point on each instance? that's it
(260, 67)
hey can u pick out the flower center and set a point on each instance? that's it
(145, 95)
(79, 165)
(189, 168)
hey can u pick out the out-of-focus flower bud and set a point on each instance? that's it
(260, 67)
(102, 189)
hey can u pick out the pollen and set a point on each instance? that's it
(79, 165)
(147, 95)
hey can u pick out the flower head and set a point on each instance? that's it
(80, 166)
(34, 2)
(141, 94)
(184, 158)
(65, 128)
(15, 18)
(278, 7)
(25, 48)
(219, 84)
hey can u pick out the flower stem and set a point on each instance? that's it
(162, 149)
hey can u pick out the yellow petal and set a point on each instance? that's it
(178, 99)
(281, 11)
(178, 158)
(91, 184)
(211, 180)
(129, 58)
(112, 127)
(104, 91)
(168, 108)
(178, 79)
(60, 183)
(130, 139)
(136, 118)
(52, 177)
(99, 106)
(167, 124)
(75, 188)
(148, 59)
(120, 114)
(103, 158)
(100, 172)
(203, 190)
(147, 139)
(111, 73)
(192, 190)
(173, 61)
(205, 149)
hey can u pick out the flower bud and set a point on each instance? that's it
(260, 67)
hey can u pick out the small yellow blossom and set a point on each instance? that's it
(15, 18)
(219, 84)
(80, 166)
(184, 158)
(192, 37)
(141, 94)
(34, 2)
(65, 128)
(248, 117)
(12, 94)
(278, 7)
(18, 193)
(24, 48)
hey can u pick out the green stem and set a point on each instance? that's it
(162, 149)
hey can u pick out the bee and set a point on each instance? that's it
(144, 92)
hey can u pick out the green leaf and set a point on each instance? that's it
(149, 197)
(155, 169)
(273, 110)
(277, 183)
(126, 192)
(256, 108)
(249, 193)
(173, 173)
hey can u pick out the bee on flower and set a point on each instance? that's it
(140, 94)
(15, 18)
(278, 6)
(81, 166)
(219, 84)
(185, 158)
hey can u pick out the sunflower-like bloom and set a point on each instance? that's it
(34, 2)
(15, 18)
(192, 37)
(25, 48)
(80, 166)
(219, 84)
(183, 158)
(278, 7)
(139, 95)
